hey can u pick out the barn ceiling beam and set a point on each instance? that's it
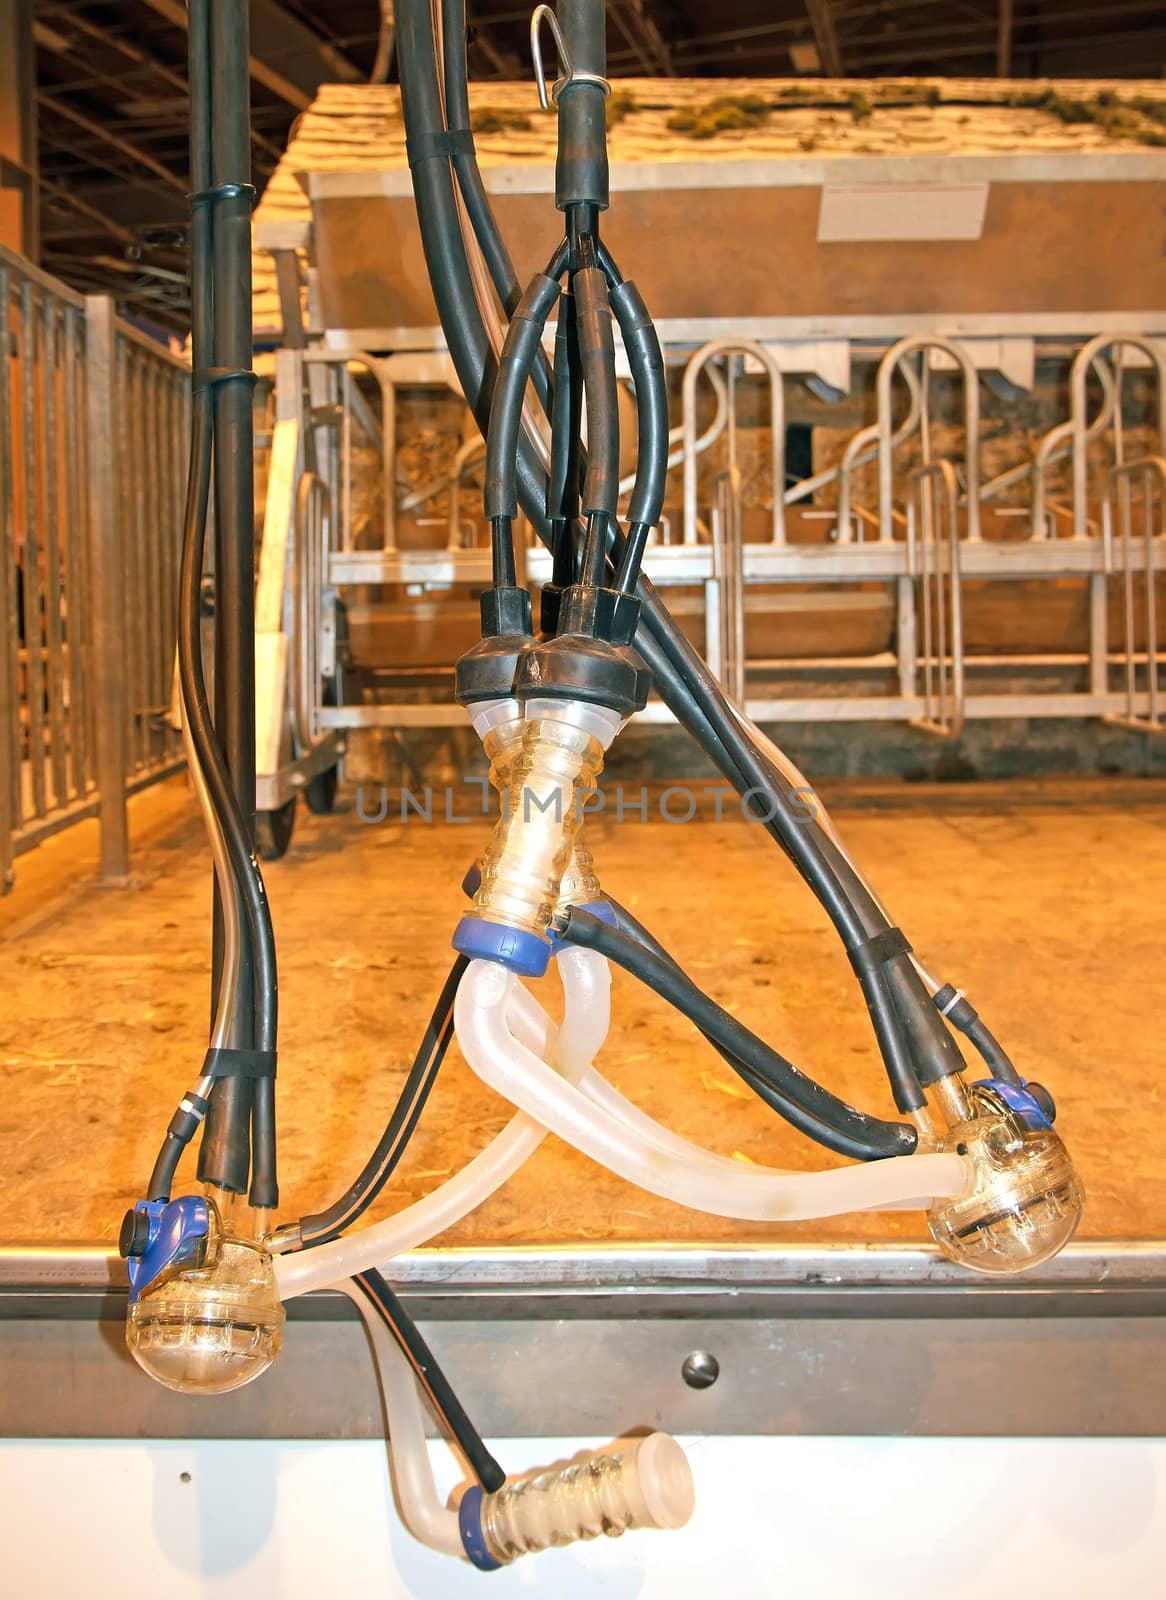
(947, 39)
(79, 25)
(126, 147)
(826, 37)
(644, 38)
(286, 57)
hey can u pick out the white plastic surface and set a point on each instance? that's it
(775, 1519)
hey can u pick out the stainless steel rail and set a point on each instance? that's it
(93, 441)
(864, 1339)
(1141, 483)
(933, 554)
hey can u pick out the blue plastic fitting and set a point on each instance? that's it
(469, 1521)
(525, 953)
(178, 1233)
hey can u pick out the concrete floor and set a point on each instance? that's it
(1045, 902)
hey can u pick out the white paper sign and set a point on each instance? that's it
(854, 213)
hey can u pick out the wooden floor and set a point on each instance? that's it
(1047, 904)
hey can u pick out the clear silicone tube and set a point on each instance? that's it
(586, 1018)
(418, 1501)
(533, 1028)
(635, 1483)
(558, 763)
(753, 1194)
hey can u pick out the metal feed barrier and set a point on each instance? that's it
(93, 442)
(928, 538)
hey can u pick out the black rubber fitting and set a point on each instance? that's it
(487, 671)
(504, 610)
(577, 668)
(599, 613)
(134, 1235)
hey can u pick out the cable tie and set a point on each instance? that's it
(211, 377)
(439, 145)
(227, 1063)
(878, 950)
(949, 1007)
(221, 191)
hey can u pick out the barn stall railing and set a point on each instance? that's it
(93, 426)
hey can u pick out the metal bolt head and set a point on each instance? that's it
(700, 1369)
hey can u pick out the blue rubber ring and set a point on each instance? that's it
(523, 952)
(469, 1522)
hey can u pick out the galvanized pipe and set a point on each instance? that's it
(1079, 422)
(857, 452)
(887, 366)
(760, 353)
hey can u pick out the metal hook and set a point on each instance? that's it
(538, 16)
(548, 97)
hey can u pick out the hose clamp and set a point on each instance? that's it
(547, 97)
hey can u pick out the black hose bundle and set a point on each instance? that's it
(796, 1097)
(916, 1046)
(239, 1139)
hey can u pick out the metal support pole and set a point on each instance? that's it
(1004, 40)
(19, 198)
(9, 630)
(106, 568)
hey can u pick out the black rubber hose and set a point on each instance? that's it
(322, 1226)
(514, 364)
(581, 169)
(563, 482)
(705, 714)
(234, 487)
(993, 1054)
(234, 495)
(435, 1383)
(215, 68)
(899, 1004)
(597, 351)
(853, 1133)
(565, 417)
(469, 180)
(788, 1109)
(646, 361)
(225, 1153)
(441, 239)
(959, 1011)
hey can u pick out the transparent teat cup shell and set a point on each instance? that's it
(210, 1329)
(1025, 1201)
(637, 1483)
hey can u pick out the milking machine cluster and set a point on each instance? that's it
(210, 1272)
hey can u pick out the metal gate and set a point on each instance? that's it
(93, 441)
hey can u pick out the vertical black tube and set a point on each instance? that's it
(581, 170)
(225, 1155)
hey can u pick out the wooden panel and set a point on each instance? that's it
(1046, 248)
